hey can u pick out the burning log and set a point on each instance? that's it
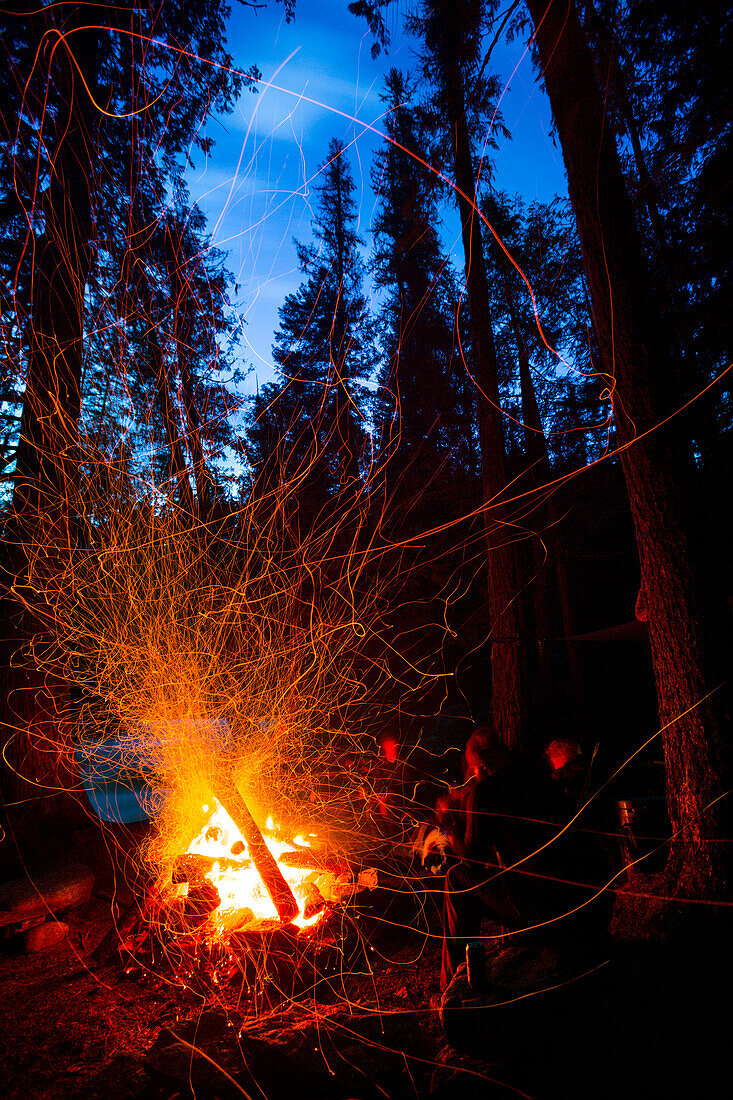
(306, 859)
(202, 899)
(314, 902)
(194, 868)
(265, 863)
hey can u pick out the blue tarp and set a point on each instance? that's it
(117, 772)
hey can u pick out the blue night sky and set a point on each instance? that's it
(257, 186)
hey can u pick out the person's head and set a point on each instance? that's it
(390, 746)
(563, 755)
(485, 753)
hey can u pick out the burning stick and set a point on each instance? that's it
(263, 859)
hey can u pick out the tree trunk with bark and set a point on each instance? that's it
(183, 309)
(506, 691)
(46, 483)
(536, 591)
(47, 465)
(633, 357)
(177, 468)
(348, 455)
(542, 474)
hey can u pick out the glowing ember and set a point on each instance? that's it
(244, 897)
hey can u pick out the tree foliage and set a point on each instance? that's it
(311, 423)
(424, 409)
(102, 108)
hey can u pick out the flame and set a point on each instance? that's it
(240, 887)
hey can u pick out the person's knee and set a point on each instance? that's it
(460, 878)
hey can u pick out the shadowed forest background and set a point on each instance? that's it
(485, 479)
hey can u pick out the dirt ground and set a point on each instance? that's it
(75, 1028)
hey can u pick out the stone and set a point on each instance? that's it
(44, 936)
(44, 892)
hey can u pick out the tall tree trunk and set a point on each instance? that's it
(631, 340)
(177, 468)
(183, 325)
(201, 475)
(47, 471)
(538, 474)
(141, 307)
(46, 483)
(538, 453)
(506, 693)
(348, 457)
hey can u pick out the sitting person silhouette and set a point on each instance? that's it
(521, 863)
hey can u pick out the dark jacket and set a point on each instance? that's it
(517, 828)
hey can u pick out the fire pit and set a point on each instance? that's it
(225, 883)
(255, 909)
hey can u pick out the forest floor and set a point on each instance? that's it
(73, 1030)
(652, 1026)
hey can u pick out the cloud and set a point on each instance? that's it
(310, 96)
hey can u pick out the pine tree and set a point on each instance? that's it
(177, 359)
(451, 36)
(423, 409)
(314, 417)
(79, 154)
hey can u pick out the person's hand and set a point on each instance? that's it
(435, 850)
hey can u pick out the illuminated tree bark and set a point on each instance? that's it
(631, 341)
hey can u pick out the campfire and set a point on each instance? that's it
(220, 689)
(233, 884)
(235, 899)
